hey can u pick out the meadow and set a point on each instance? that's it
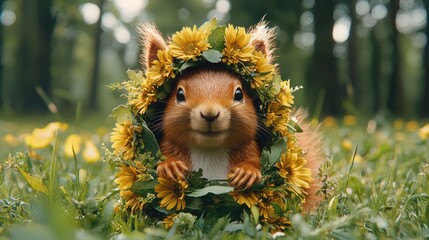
(376, 186)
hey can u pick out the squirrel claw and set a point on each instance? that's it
(244, 178)
(172, 169)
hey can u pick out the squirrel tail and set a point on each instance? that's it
(310, 140)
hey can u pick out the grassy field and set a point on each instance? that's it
(376, 187)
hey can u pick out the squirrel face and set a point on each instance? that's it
(209, 108)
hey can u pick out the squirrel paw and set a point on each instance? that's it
(246, 177)
(172, 169)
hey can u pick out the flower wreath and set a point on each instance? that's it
(285, 178)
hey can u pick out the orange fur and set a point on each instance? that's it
(210, 92)
(151, 41)
(232, 129)
(310, 141)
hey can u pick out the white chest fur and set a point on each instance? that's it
(214, 163)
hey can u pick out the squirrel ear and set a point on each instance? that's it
(151, 41)
(263, 39)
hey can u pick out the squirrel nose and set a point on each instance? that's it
(209, 117)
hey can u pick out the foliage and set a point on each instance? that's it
(379, 190)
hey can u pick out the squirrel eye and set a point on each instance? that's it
(180, 96)
(238, 95)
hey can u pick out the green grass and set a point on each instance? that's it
(377, 187)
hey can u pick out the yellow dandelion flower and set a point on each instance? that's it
(292, 166)
(285, 97)
(169, 220)
(278, 224)
(161, 69)
(73, 143)
(279, 109)
(188, 43)
(128, 175)
(39, 138)
(172, 193)
(11, 140)
(266, 208)
(90, 154)
(349, 120)
(145, 96)
(424, 132)
(122, 139)
(34, 154)
(347, 144)
(57, 126)
(329, 122)
(249, 198)
(237, 47)
(133, 201)
(264, 70)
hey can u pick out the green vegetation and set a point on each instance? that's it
(377, 187)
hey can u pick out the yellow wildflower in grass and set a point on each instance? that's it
(172, 193)
(34, 154)
(127, 175)
(263, 69)
(349, 120)
(11, 140)
(237, 48)
(412, 126)
(133, 201)
(90, 154)
(161, 69)
(57, 126)
(292, 166)
(347, 144)
(73, 143)
(279, 109)
(122, 139)
(424, 132)
(188, 43)
(146, 95)
(249, 198)
(169, 220)
(43, 137)
(329, 122)
(39, 138)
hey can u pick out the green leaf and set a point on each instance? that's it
(209, 25)
(121, 114)
(210, 189)
(293, 124)
(144, 187)
(217, 38)
(213, 56)
(186, 65)
(268, 158)
(34, 182)
(149, 140)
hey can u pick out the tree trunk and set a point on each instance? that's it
(352, 57)
(425, 98)
(396, 98)
(93, 89)
(375, 71)
(322, 76)
(1, 53)
(33, 56)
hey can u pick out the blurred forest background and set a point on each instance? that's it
(361, 57)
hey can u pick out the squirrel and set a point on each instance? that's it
(210, 121)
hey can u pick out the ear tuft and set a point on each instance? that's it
(151, 41)
(263, 39)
